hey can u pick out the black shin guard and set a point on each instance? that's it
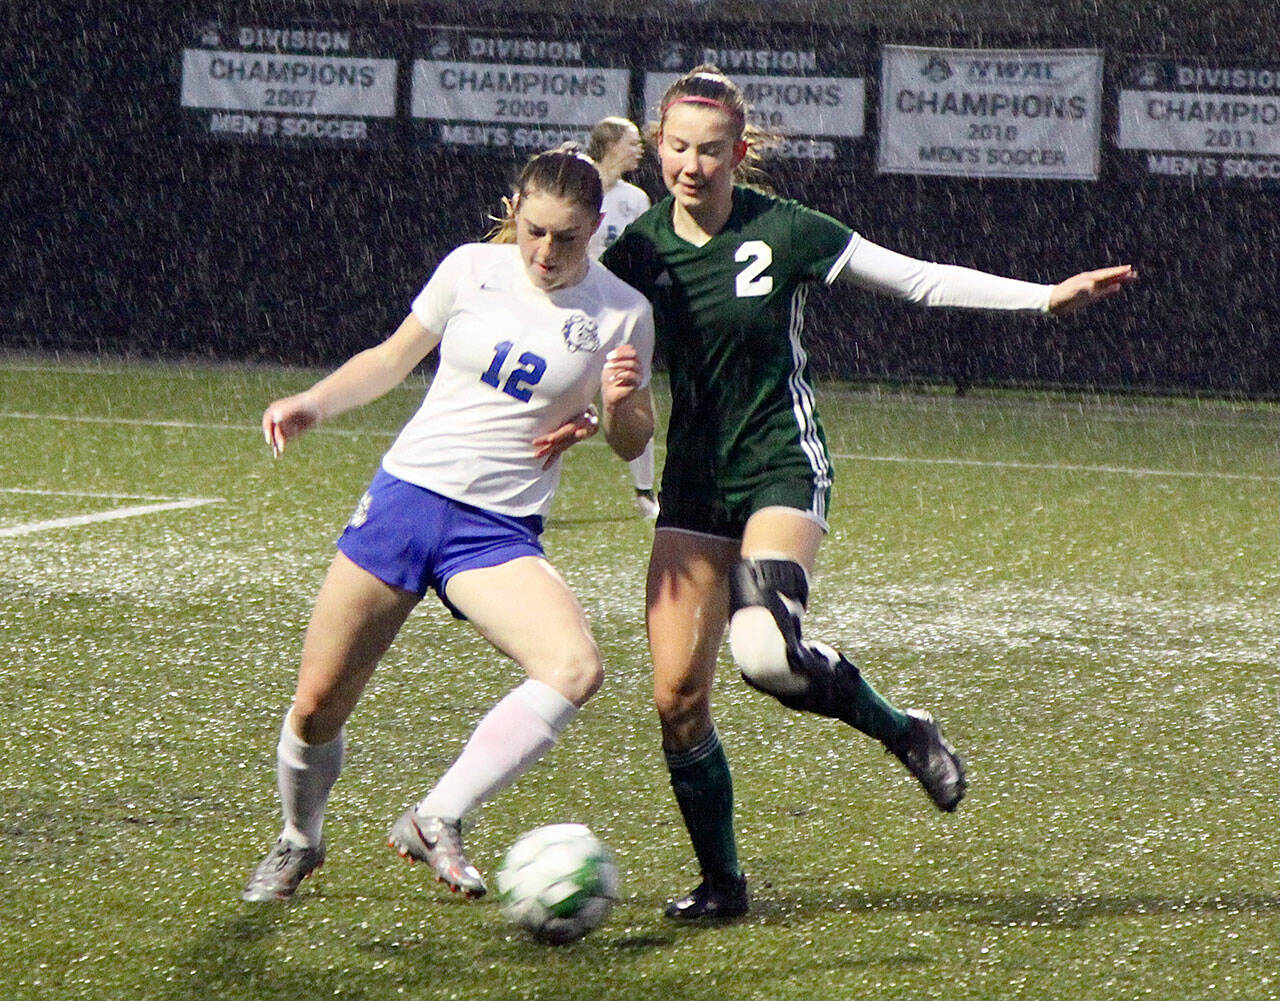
(831, 689)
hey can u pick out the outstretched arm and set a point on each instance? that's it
(362, 378)
(878, 269)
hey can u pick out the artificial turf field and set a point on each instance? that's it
(1084, 590)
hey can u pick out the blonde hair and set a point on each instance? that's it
(605, 134)
(565, 172)
(705, 84)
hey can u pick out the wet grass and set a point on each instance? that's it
(1084, 590)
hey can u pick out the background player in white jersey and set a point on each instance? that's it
(529, 334)
(616, 147)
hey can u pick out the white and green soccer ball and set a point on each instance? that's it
(558, 882)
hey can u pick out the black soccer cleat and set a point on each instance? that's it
(933, 761)
(716, 898)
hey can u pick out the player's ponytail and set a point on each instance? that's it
(565, 172)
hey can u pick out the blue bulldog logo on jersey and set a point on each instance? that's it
(581, 333)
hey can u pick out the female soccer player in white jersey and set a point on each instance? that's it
(616, 147)
(528, 334)
(748, 476)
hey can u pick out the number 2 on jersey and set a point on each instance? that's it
(518, 382)
(751, 280)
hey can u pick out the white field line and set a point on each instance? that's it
(1062, 467)
(183, 425)
(87, 493)
(852, 456)
(132, 511)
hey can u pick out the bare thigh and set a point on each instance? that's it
(525, 609)
(782, 532)
(687, 597)
(355, 618)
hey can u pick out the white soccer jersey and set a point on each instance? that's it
(515, 363)
(622, 203)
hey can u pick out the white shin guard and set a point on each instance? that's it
(767, 599)
(760, 652)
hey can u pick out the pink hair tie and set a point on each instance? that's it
(695, 99)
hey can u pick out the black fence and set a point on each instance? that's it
(128, 234)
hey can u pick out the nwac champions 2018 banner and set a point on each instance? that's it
(1021, 113)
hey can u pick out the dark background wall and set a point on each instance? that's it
(125, 236)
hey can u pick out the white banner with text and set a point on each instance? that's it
(330, 85)
(1199, 118)
(1016, 113)
(515, 92)
(808, 92)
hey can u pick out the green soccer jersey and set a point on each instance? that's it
(729, 319)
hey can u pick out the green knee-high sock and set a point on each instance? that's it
(704, 790)
(836, 688)
(865, 709)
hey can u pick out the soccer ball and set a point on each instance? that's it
(558, 882)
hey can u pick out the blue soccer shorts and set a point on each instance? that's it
(415, 539)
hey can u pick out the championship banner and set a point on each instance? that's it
(1020, 113)
(515, 91)
(809, 91)
(1200, 118)
(324, 85)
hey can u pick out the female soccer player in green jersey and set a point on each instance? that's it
(748, 476)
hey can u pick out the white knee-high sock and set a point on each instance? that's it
(304, 775)
(514, 734)
(642, 468)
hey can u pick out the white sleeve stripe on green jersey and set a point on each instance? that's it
(842, 261)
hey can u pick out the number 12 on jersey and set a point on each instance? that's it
(525, 375)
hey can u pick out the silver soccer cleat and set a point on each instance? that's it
(278, 875)
(438, 842)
